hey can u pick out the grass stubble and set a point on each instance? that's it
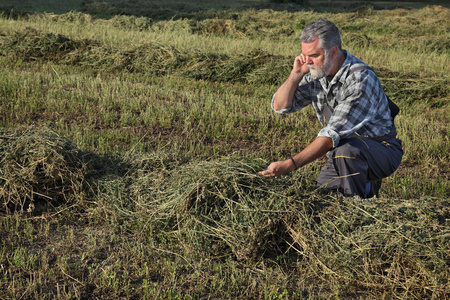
(128, 169)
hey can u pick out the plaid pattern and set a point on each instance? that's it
(357, 101)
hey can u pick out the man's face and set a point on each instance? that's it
(319, 63)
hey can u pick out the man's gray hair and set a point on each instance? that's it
(326, 31)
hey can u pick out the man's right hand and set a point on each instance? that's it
(300, 67)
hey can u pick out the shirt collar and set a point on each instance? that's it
(343, 71)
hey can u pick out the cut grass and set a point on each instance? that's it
(154, 192)
(171, 227)
(219, 210)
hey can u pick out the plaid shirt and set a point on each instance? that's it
(356, 99)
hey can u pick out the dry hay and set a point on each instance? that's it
(219, 205)
(222, 208)
(217, 26)
(73, 17)
(40, 170)
(253, 67)
(438, 8)
(131, 22)
(357, 40)
(242, 27)
(32, 44)
(380, 244)
(39, 167)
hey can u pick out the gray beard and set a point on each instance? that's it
(321, 72)
(317, 73)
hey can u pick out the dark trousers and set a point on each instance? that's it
(357, 161)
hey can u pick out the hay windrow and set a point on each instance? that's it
(222, 208)
(72, 16)
(33, 45)
(131, 22)
(379, 244)
(221, 205)
(38, 169)
(253, 67)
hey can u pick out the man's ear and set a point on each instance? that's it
(334, 52)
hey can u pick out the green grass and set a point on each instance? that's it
(130, 145)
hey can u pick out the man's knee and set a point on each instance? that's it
(348, 160)
(347, 150)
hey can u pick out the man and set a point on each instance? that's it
(358, 134)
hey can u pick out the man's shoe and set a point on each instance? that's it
(374, 188)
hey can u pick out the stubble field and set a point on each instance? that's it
(131, 134)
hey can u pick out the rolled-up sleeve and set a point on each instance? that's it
(328, 132)
(283, 110)
(302, 97)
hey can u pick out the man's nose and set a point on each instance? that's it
(309, 60)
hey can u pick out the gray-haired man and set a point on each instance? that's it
(358, 134)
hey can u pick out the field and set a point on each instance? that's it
(131, 133)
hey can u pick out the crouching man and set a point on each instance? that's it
(358, 134)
